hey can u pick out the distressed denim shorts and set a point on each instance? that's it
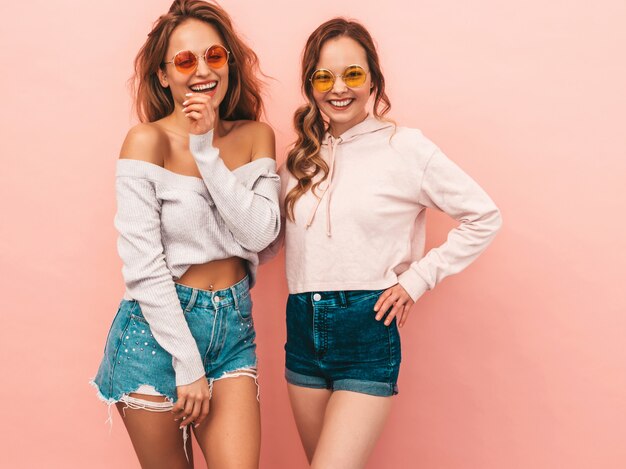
(334, 342)
(220, 321)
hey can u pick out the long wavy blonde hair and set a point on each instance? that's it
(304, 161)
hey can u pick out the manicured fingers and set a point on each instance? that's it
(404, 315)
(383, 296)
(389, 307)
(197, 102)
(183, 411)
(186, 410)
(178, 409)
(194, 115)
(198, 108)
(192, 411)
(204, 411)
(397, 309)
(192, 405)
(394, 302)
(399, 316)
(385, 302)
(196, 98)
(201, 107)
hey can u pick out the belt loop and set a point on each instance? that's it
(342, 298)
(192, 300)
(233, 291)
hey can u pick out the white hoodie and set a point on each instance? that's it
(366, 230)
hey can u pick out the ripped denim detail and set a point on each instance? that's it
(250, 372)
(222, 325)
(137, 403)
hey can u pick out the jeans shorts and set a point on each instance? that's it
(220, 322)
(334, 342)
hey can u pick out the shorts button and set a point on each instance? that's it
(317, 297)
(216, 298)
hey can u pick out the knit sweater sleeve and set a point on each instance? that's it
(250, 210)
(447, 188)
(275, 246)
(147, 277)
(272, 250)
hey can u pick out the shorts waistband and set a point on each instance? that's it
(191, 297)
(341, 298)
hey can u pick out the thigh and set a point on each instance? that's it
(156, 437)
(308, 406)
(352, 424)
(230, 437)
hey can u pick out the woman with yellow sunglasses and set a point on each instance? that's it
(355, 187)
(197, 197)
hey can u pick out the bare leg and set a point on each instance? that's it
(156, 437)
(308, 406)
(352, 424)
(230, 437)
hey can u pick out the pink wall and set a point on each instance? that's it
(517, 363)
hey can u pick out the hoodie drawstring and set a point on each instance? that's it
(327, 189)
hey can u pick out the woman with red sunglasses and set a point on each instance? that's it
(197, 195)
(355, 190)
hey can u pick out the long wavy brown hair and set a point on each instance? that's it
(243, 97)
(304, 160)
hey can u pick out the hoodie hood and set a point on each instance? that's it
(368, 126)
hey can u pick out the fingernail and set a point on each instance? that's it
(188, 94)
(185, 103)
(196, 425)
(378, 318)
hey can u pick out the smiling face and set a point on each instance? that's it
(344, 106)
(195, 36)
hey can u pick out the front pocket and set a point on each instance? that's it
(244, 308)
(355, 296)
(138, 318)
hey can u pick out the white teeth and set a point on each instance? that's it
(343, 103)
(206, 86)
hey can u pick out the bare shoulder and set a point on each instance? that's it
(262, 137)
(146, 142)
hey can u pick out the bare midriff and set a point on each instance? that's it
(214, 275)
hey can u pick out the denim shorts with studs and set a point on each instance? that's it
(221, 323)
(334, 342)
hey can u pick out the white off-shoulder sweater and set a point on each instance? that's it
(168, 222)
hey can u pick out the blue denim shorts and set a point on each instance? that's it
(220, 321)
(334, 342)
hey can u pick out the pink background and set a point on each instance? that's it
(519, 362)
